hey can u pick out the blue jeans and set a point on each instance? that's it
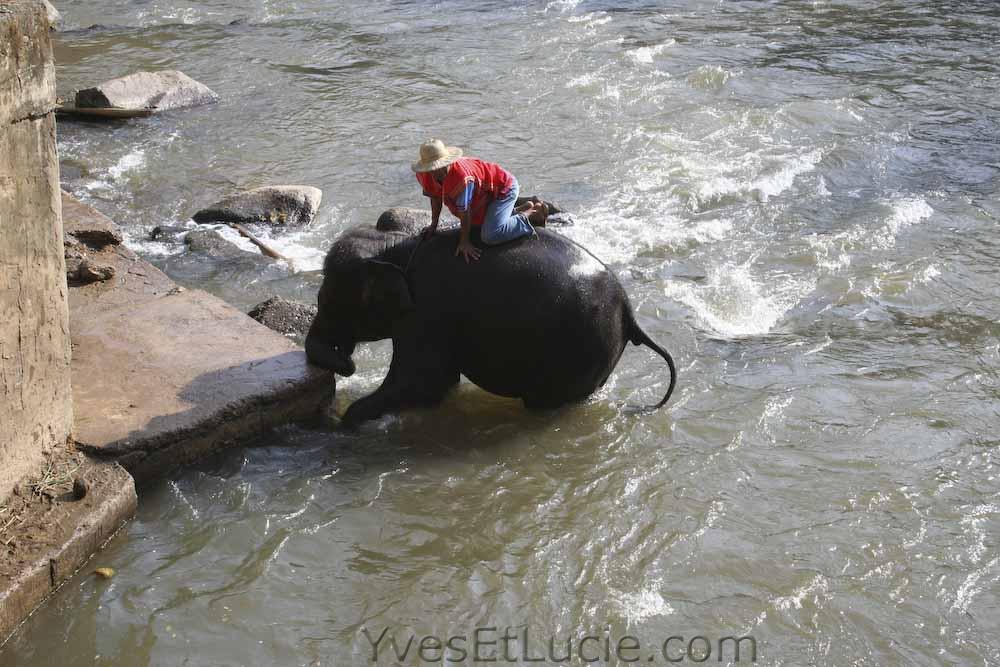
(501, 225)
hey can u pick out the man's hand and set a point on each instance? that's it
(467, 250)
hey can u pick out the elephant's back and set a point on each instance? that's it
(543, 309)
(550, 260)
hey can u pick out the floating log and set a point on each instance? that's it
(102, 112)
(264, 248)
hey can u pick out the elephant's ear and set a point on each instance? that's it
(386, 288)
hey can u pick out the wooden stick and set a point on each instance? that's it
(264, 248)
(102, 112)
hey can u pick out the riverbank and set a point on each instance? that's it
(154, 375)
(161, 376)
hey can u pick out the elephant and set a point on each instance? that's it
(539, 318)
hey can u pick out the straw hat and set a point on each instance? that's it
(434, 155)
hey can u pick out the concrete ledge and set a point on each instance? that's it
(163, 376)
(56, 534)
(162, 383)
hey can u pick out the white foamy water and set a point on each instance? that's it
(834, 252)
(644, 55)
(734, 302)
(129, 162)
(811, 592)
(773, 183)
(646, 604)
(591, 20)
(709, 77)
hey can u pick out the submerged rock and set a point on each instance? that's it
(170, 89)
(165, 233)
(284, 316)
(221, 253)
(277, 205)
(214, 244)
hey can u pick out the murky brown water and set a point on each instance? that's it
(800, 197)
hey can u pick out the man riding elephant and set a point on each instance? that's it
(479, 193)
(551, 336)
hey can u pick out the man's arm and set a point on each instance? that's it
(435, 215)
(464, 203)
(465, 247)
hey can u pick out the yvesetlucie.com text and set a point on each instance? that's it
(522, 645)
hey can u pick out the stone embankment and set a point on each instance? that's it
(163, 375)
(108, 369)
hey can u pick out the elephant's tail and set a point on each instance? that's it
(640, 337)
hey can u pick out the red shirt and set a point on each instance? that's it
(489, 181)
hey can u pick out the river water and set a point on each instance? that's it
(801, 199)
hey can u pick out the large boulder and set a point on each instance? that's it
(144, 90)
(55, 18)
(401, 219)
(284, 316)
(277, 205)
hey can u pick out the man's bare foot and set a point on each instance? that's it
(526, 206)
(539, 214)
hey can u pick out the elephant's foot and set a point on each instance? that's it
(360, 411)
(397, 398)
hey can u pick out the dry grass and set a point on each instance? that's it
(53, 478)
(7, 523)
(57, 477)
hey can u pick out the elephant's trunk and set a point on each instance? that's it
(325, 354)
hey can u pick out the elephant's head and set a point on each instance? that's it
(359, 301)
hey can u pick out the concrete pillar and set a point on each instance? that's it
(35, 394)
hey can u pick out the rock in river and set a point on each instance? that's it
(166, 233)
(213, 244)
(401, 219)
(277, 205)
(143, 90)
(55, 18)
(284, 316)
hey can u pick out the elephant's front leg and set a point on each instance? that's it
(384, 399)
(417, 377)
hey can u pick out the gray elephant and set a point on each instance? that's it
(540, 319)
